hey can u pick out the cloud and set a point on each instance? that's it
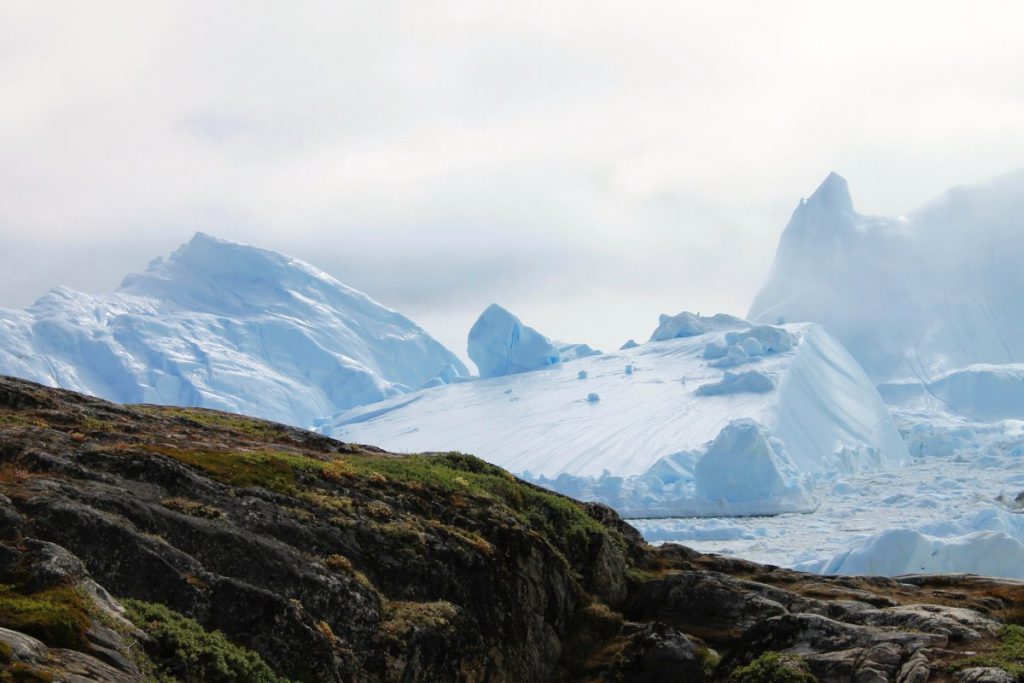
(587, 164)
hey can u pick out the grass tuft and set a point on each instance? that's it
(182, 650)
(773, 667)
(1008, 653)
(57, 616)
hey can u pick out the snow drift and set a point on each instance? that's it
(227, 326)
(654, 443)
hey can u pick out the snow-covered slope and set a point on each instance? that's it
(640, 430)
(224, 325)
(912, 297)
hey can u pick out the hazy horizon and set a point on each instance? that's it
(584, 167)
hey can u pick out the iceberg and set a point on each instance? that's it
(905, 551)
(228, 326)
(912, 297)
(500, 344)
(655, 444)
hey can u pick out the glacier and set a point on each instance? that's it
(224, 325)
(638, 429)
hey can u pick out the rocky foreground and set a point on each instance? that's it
(140, 543)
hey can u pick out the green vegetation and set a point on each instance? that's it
(182, 651)
(772, 667)
(1008, 653)
(461, 478)
(709, 661)
(401, 619)
(23, 673)
(558, 519)
(57, 616)
(273, 470)
(248, 426)
(637, 576)
(91, 424)
(193, 508)
(14, 420)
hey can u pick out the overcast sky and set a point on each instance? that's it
(588, 165)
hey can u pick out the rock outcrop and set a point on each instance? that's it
(241, 550)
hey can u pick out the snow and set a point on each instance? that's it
(500, 344)
(751, 381)
(228, 326)
(688, 324)
(911, 297)
(638, 447)
(574, 351)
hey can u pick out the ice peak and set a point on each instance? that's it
(500, 344)
(833, 194)
(206, 263)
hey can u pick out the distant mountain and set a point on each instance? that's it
(228, 326)
(912, 297)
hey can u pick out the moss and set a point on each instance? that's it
(380, 510)
(273, 470)
(462, 478)
(239, 424)
(23, 673)
(339, 563)
(193, 508)
(772, 667)
(709, 661)
(57, 616)
(637, 576)
(1008, 653)
(91, 424)
(327, 501)
(402, 619)
(470, 538)
(558, 519)
(6, 652)
(182, 650)
(14, 420)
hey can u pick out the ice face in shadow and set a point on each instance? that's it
(228, 326)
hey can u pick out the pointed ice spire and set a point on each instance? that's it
(833, 195)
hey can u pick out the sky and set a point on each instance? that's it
(588, 165)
